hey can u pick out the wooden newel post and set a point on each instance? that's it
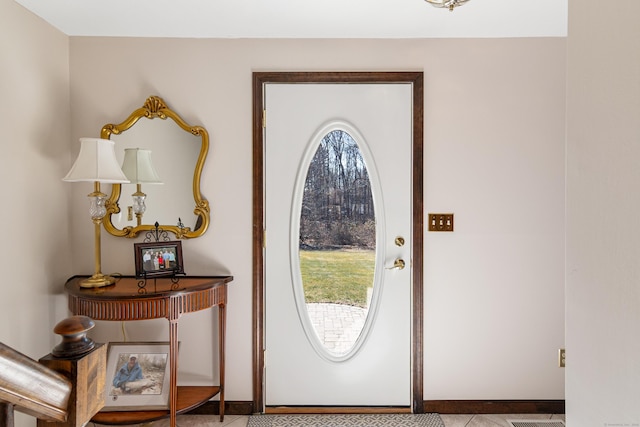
(87, 375)
(84, 363)
(6, 414)
(63, 389)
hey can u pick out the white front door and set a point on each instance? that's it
(376, 369)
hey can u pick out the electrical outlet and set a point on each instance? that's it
(561, 358)
(440, 222)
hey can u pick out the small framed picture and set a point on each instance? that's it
(137, 376)
(155, 259)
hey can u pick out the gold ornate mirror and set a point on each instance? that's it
(178, 154)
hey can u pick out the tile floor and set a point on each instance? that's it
(492, 420)
(484, 420)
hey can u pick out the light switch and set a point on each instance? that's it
(440, 222)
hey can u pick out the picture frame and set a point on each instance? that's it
(137, 377)
(156, 259)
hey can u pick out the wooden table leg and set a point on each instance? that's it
(222, 319)
(173, 370)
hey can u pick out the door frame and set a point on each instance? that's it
(258, 281)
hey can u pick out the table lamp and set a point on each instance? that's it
(139, 170)
(97, 163)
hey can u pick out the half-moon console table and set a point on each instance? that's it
(132, 299)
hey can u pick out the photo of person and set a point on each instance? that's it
(160, 259)
(156, 259)
(147, 261)
(139, 374)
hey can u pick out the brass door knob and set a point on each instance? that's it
(398, 264)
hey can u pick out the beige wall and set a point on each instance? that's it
(603, 210)
(494, 146)
(35, 123)
(494, 155)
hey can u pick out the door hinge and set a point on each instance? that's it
(264, 119)
(264, 239)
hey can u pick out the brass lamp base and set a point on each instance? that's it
(97, 281)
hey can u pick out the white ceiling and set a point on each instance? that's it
(303, 18)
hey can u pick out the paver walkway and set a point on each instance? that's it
(337, 325)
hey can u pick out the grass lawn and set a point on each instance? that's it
(340, 277)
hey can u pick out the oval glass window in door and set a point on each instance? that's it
(337, 244)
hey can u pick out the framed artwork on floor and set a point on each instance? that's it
(137, 376)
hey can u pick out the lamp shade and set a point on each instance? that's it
(96, 162)
(138, 168)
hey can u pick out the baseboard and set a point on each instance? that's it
(438, 406)
(212, 407)
(246, 408)
(494, 406)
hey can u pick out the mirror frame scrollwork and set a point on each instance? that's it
(155, 107)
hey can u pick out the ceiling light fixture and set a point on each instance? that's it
(447, 3)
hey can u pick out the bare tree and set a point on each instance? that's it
(337, 206)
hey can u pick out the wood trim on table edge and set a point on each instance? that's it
(417, 79)
(433, 406)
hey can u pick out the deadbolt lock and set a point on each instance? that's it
(399, 241)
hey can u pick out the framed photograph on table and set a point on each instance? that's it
(137, 376)
(155, 259)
